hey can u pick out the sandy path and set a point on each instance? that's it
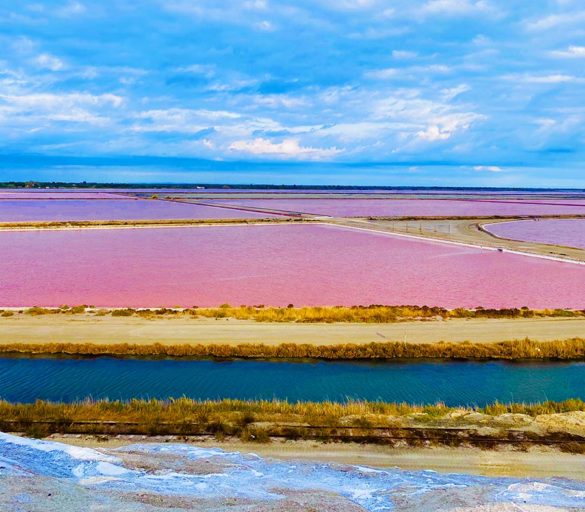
(536, 463)
(466, 232)
(107, 329)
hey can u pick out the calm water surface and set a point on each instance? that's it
(455, 383)
(302, 264)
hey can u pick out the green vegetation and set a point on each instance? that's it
(320, 314)
(572, 349)
(376, 422)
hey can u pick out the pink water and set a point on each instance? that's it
(408, 207)
(59, 195)
(112, 209)
(272, 265)
(567, 232)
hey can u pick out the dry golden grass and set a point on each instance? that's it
(375, 422)
(57, 224)
(571, 349)
(319, 314)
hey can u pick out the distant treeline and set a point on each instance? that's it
(313, 314)
(397, 424)
(572, 349)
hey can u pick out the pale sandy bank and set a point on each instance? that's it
(106, 329)
(538, 462)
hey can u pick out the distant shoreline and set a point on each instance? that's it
(40, 185)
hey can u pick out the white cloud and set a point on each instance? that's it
(384, 74)
(256, 4)
(424, 119)
(453, 92)
(47, 101)
(50, 62)
(557, 78)
(458, 8)
(286, 148)
(407, 73)
(350, 5)
(554, 21)
(434, 133)
(23, 44)
(403, 54)
(361, 130)
(72, 9)
(198, 69)
(570, 52)
(181, 120)
(266, 26)
(34, 109)
(278, 100)
(487, 168)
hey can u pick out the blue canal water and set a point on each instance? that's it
(454, 383)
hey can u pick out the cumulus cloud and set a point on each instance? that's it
(467, 80)
(428, 120)
(434, 133)
(287, 148)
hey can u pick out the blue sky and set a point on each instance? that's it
(430, 92)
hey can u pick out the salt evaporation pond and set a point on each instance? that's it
(411, 207)
(20, 210)
(273, 265)
(60, 195)
(566, 232)
(55, 477)
(453, 383)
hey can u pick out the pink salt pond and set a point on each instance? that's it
(272, 265)
(59, 195)
(412, 207)
(565, 232)
(20, 210)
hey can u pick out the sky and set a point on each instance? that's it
(380, 92)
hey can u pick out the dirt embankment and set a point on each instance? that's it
(534, 462)
(86, 328)
(467, 231)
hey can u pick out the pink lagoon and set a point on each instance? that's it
(272, 265)
(567, 232)
(412, 207)
(112, 209)
(23, 194)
